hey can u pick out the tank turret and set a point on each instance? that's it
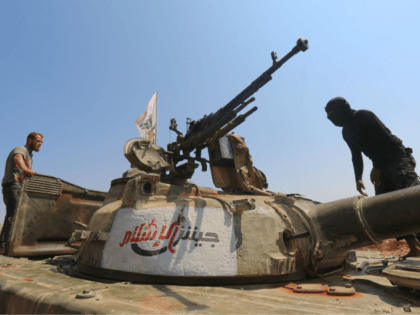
(166, 233)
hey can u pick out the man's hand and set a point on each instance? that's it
(29, 172)
(359, 186)
(375, 176)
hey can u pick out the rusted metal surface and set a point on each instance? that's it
(338, 290)
(42, 287)
(46, 214)
(311, 288)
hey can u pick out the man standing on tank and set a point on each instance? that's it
(18, 164)
(393, 164)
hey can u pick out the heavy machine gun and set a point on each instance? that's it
(206, 131)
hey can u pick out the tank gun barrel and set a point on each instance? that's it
(356, 222)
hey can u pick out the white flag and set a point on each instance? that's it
(147, 122)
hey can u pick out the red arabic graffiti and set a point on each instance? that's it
(149, 233)
(144, 233)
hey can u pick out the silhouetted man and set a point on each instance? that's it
(18, 164)
(393, 164)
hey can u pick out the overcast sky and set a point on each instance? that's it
(81, 72)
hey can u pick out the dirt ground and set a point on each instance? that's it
(390, 247)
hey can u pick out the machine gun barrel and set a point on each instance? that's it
(222, 122)
(233, 124)
(244, 105)
(213, 129)
(204, 129)
(301, 45)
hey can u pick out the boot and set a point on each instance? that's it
(414, 245)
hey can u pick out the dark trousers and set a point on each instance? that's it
(11, 197)
(399, 173)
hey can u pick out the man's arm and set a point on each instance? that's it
(20, 162)
(357, 160)
(358, 171)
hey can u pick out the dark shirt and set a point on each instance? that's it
(364, 132)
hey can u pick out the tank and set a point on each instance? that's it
(159, 243)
